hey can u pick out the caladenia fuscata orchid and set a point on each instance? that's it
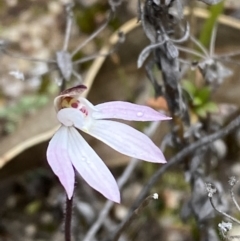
(68, 150)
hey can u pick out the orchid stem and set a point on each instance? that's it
(68, 218)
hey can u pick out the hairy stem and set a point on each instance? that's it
(68, 219)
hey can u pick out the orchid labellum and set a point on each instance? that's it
(68, 151)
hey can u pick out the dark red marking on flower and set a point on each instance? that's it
(74, 105)
(84, 110)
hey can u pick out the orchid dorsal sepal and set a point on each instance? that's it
(71, 92)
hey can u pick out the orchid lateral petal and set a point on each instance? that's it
(59, 161)
(127, 111)
(91, 167)
(126, 140)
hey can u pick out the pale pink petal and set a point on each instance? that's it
(127, 111)
(91, 167)
(59, 161)
(126, 140)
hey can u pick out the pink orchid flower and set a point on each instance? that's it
(68, 150)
